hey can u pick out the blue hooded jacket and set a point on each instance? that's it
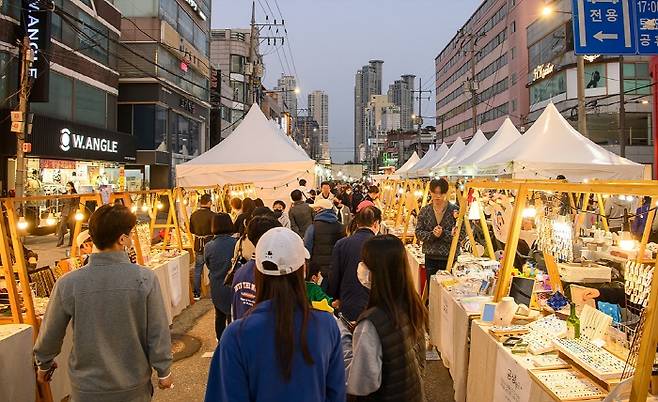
(244, 367)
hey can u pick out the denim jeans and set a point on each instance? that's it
(198, 270)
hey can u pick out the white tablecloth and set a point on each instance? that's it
(449, 328)
(17, 378)
(174, 278)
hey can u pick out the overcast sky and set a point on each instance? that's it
(331, 39)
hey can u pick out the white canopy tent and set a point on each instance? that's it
(455, 152)
(256, 152)
(411, 173)
(413, 159)
(504, 137)
(552, 147)
(422, 168)
(476, 143)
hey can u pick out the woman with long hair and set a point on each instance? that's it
(281, 350)
(248, 206)
(66, 222)
(389, 339)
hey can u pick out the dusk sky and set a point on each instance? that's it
(332, 39)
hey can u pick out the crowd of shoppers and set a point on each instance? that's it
(273, 273)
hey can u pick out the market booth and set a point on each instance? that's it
(526, 354)
(255, 152)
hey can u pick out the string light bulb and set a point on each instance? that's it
(133, 209)
(50, 220)
(22, 223)
(529, 212)
(79, 216)
(145, 208)
(159, 205)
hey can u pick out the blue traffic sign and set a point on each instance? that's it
(615, 27)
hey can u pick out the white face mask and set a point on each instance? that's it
(363, 274)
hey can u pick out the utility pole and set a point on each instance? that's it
(23, 108)
(254, 59)
(419, 117)
(622, 110)
(582, 114)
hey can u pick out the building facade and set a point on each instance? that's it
(553, 78)
(400, 93)
(368, 82)
(229, 54)
(318, 105)
(381, 117)
(164, 90)
(74, 134)
(308, 136)
(494, 40)
(287, 94)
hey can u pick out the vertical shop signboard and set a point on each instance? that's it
(36, 27)
(512, 380)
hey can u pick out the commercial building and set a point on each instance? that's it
(308, 136)
(368, 82)
(74, 134)
(164, 82)
(400, 93)
(553, 78)
(287, 94)
(493, 41)
(381, 117)
(229, 54)
(318, 105)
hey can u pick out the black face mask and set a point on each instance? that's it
(277, 214)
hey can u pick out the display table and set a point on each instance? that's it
(497, 375)
(417, 266)
(174, 277)
(449, 329)
(17, 377)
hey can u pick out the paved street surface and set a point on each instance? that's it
(190, 374)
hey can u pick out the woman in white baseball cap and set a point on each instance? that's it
(282, 350)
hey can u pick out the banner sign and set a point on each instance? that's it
(36, 27)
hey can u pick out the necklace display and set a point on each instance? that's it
(556, 238)
(637, 283)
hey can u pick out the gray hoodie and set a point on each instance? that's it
(120, 329)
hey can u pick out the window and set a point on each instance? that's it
(141, 8)
(548, 48)
(200, 40)
(513, 27)
(513, 78)
(160, 135)
(595, 76)
(512, 53)
(237, 63)
(169, 12)
(125, 120)
(144, 126)
(513, 105)
(94, 42)
(239, 91)
(90, 105)
(60, 106)
(185, 26)
(637, 80)
(185, 135)
(548, 88)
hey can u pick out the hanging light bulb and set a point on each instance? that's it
(79, 216)
(185, 202)
(133, 209)
(529, 212)
(50, 220)
(159, 205)
(145, 208)
(22, 224)
(474, 211)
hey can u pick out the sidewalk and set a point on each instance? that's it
(191, 374)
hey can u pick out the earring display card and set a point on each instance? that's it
(568, 384)
(596, 360)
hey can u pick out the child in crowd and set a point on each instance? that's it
(313, 280)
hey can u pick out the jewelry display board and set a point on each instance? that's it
(568, 384)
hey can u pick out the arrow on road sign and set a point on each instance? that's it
(603, 36)
(604, 1)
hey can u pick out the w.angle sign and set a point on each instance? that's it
(615, 27)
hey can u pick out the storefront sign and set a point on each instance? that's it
(512, 380)
(70, 140)
(187, 104)
(36, 27)
(193, 4)
(542, 71)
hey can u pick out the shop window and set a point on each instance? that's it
(90, 105)
(185, 135)
(144, 125)
(637, 87)
(160, 135)
(595, 76)
(141, 8)
(548, 88)
(60, 106)
(125, 119)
